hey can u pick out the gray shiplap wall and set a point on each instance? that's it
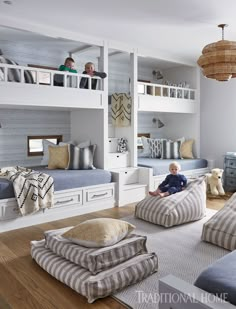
(17, 124)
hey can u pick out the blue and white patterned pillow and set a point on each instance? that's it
(155, 145)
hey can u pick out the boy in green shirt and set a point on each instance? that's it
(69, 65)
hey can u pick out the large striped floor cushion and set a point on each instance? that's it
(95, 259)
(94, 286)
(221, 228)
(188, 205)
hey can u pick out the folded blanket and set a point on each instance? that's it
(33, 190)
(95, 259)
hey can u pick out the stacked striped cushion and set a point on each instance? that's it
(94, 272)
(95, 259)
(188, 205)
(221, 228)
(94, 286)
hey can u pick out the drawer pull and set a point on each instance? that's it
(231, 163)
(99, 195)
(66, 201)
(117, 156)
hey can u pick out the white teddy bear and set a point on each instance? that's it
(214, 181)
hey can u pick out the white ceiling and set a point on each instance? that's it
(179, 28)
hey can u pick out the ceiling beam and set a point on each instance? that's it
(115, 53)
(80, 49)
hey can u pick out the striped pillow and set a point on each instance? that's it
(95, 259)
(81, 158)
(170, 149)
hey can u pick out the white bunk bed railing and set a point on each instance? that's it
(10, 73)
(166, 91)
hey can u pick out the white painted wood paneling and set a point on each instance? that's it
(89, 125)
(218, 113)
(17, 124)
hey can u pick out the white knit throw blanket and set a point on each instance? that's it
(33, 190)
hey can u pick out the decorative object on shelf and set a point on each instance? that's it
(122, 145)
(157, 75)
(218, 59)
(157, 122)
(121, 104)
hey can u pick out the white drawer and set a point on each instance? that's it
(98, 194)
(61, 200)
(116, 160)
(10, 212)
(129, 176)
(112, 144)
(132, 194)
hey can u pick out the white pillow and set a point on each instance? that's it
(146, 153)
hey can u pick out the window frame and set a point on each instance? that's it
(42, 137)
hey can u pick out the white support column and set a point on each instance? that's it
(134, 111)
(103, 66)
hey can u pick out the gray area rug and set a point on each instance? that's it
(180, 252)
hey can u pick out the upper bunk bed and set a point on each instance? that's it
(31, 73)
(165, 98)
(32, 86)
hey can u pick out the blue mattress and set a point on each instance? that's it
(161, 166)
(63, 180)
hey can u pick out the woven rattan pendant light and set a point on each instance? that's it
(218, 60)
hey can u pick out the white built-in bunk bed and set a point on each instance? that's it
(87, 108)
(174, 104)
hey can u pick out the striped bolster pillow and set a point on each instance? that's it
(170, 149)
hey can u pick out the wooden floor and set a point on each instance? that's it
(23, 284)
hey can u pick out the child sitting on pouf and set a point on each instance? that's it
(173, 183)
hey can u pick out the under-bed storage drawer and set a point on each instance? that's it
(73, 198)
(98, 194)
(9, 210)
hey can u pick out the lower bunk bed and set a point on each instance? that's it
(159, 168)
(76, 192)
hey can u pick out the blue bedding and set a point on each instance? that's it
(220, 278)
(63, 180)
(161, 166)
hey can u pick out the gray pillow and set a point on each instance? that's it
(81, 158)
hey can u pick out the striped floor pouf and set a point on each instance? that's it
(188, 205)
(221, 228)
